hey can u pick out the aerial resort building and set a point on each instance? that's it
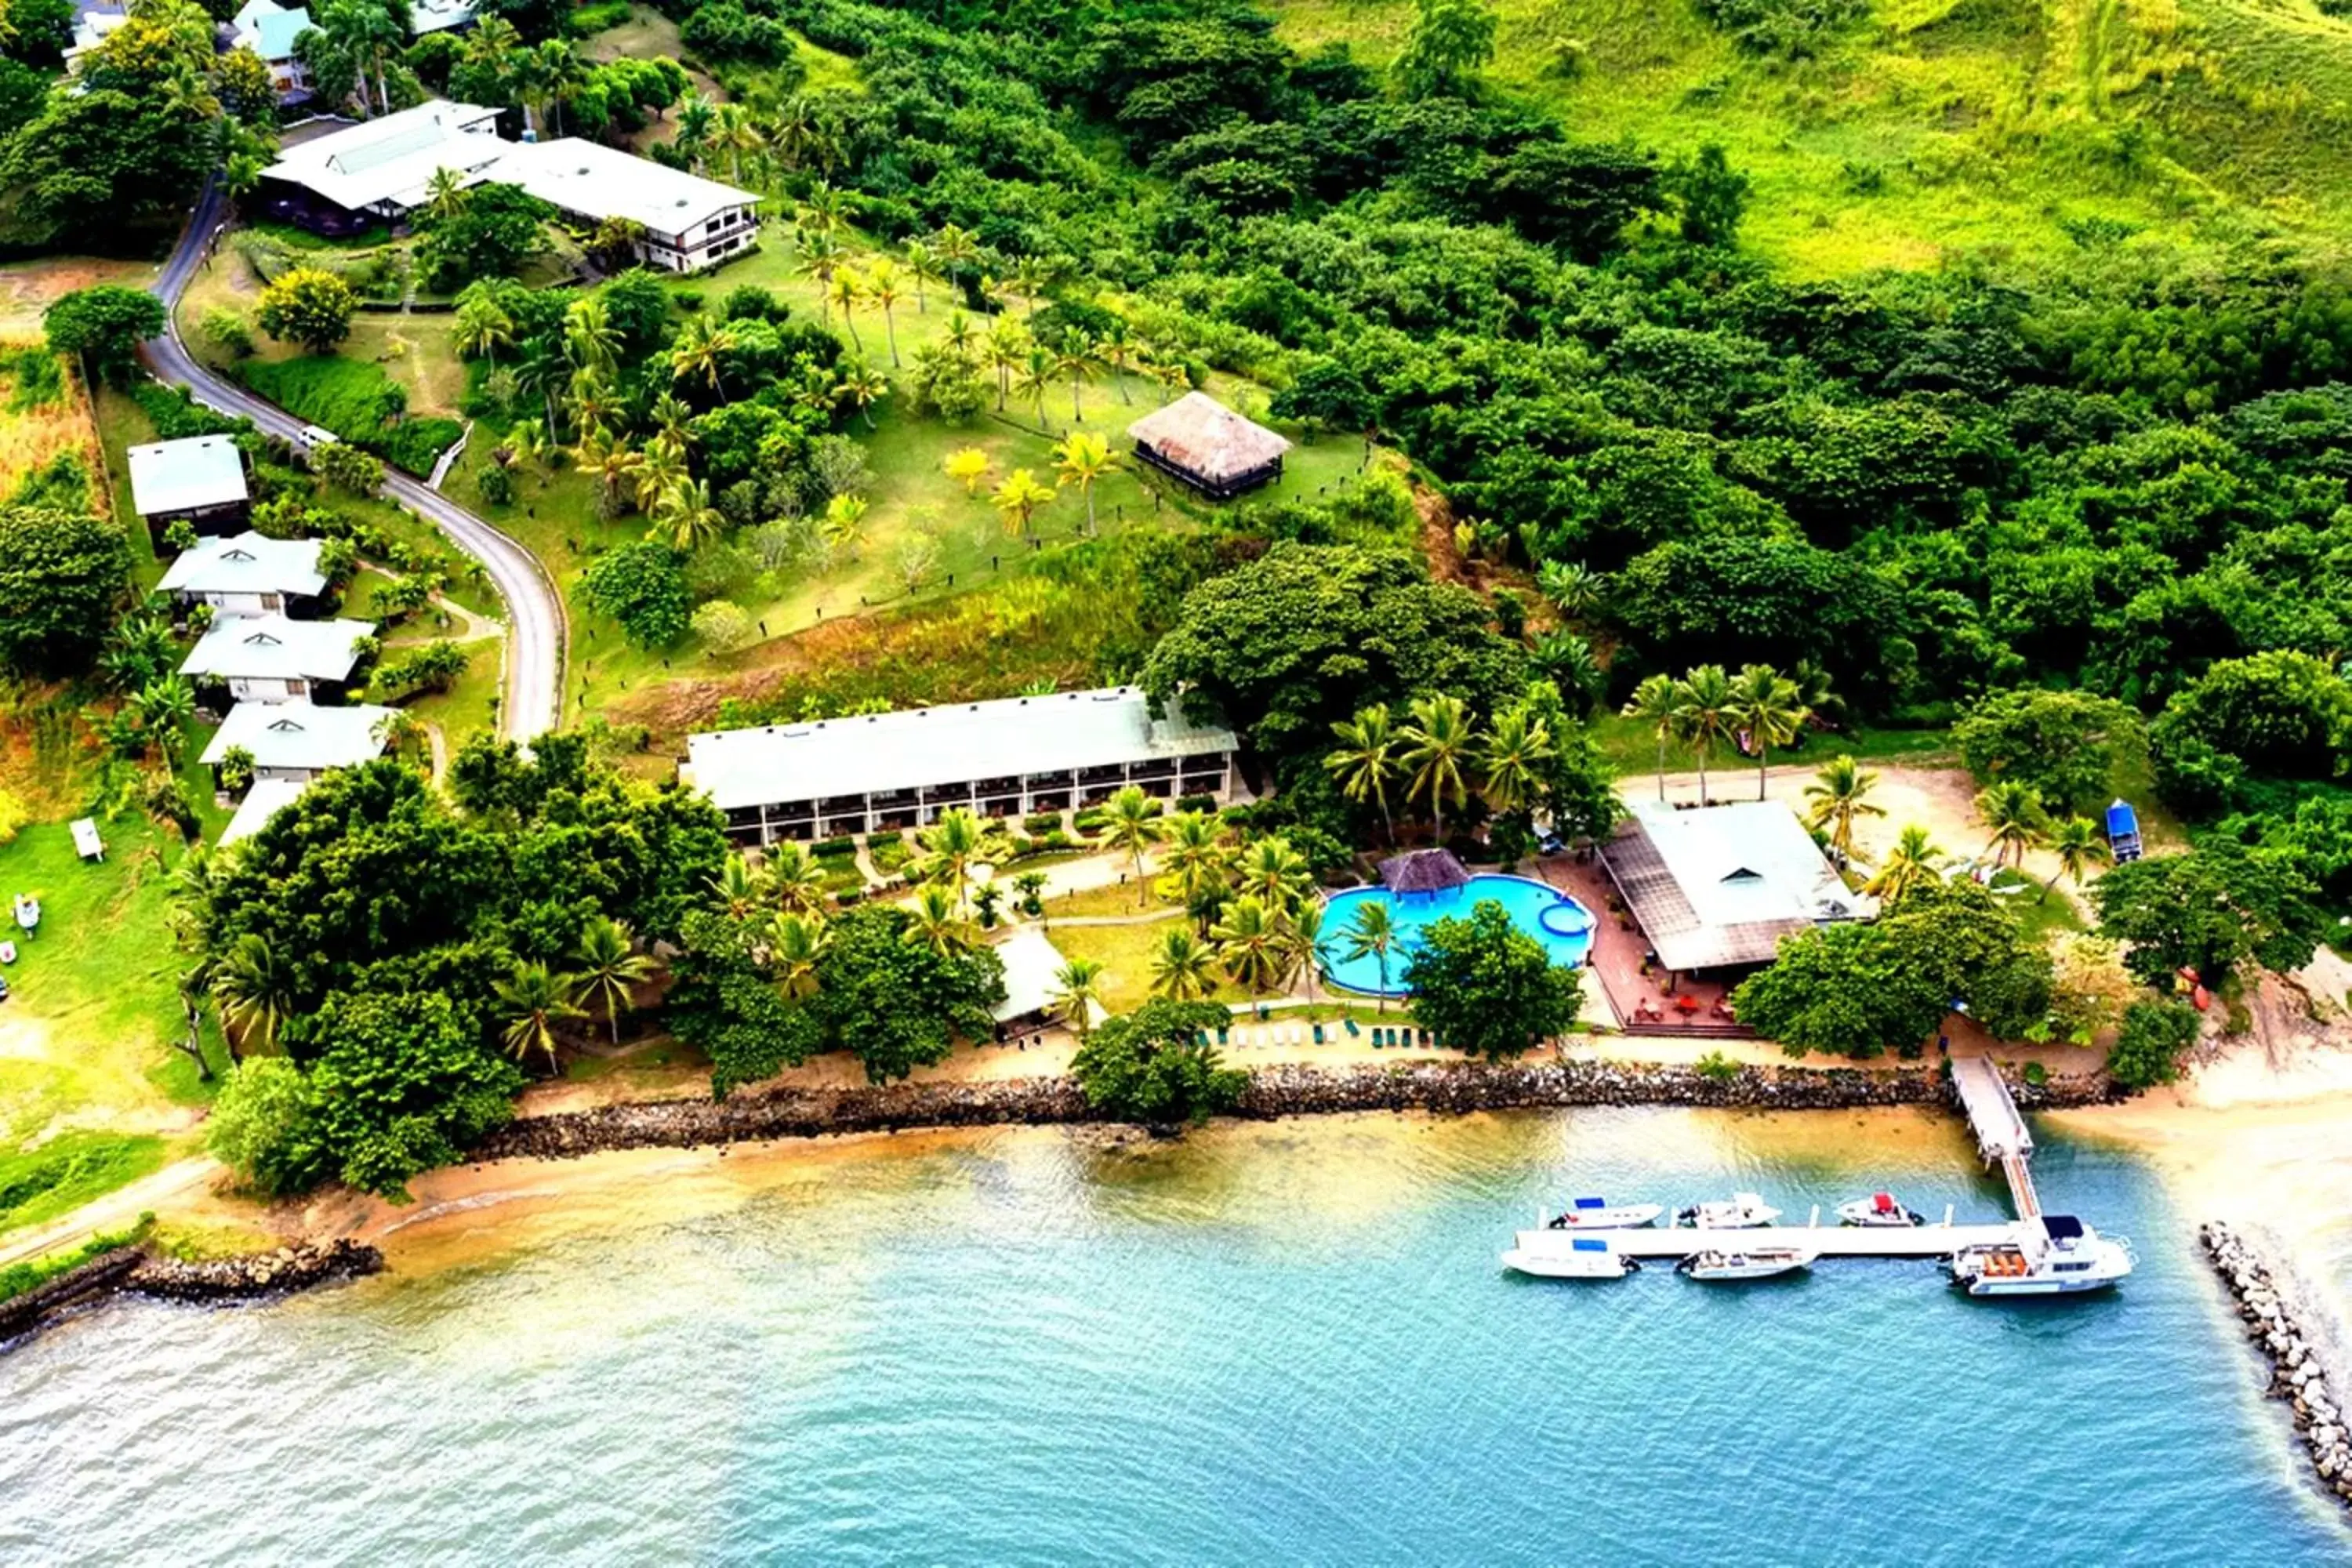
(1032, 987)
(1205, 445)
(270, 659)
(248, 574)
(198, 481)
(1014, 756)
(1717, 888)
(294, 742)
(382, 170)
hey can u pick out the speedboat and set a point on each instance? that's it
(1878, 1209)
(1743, 1212)
(1548, 1255)
(2055, 1255)
(1724, 1265)
(1599, 1214)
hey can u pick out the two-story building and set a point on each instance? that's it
(199, 481)
(248, 574)
(689, 222)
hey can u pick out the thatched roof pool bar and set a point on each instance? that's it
(1206, 445)
(1423, 872)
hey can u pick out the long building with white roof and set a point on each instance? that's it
(1718, 887)
(247, 573)
(1015, 756)
(270, 659)
(295, 741)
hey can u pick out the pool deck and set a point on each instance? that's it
(1616, 962)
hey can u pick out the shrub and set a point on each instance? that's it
(415, 445)
(724, 627)
(226, 331)
(2036, 1075)
(1717, 1068)
(593, 19)
(845, 846)
(2148, 1048)
(308, 306)
(344, 466)
(12, 817)
(435, 667)
(177, 415)
(1042, 822)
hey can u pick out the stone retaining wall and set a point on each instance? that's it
(1445, 1088)
(2275, 1322)
(131, 1271)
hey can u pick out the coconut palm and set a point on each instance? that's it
(885, 285)
(1567, 661)
(609, 968)
(953, 844)
(251, 991)
(483, 326)
(792, 879)
(701, 349)
(1372, 932)
(2078, 845)
(1703, 713)
(1074, 359)
(590, 340)
(671, 420)
(1082, 459)
(1518, 745)
(2013, 810)
(861, 387)
(1006, 350)
(1076, 992)
(922, 266)
(961, 339)
(1250, 940)
(1181, 966)
(820, 259)
(1273, 872)
(1307, 945)
(1366, 761)
(608, 460)
(687, 517)
(696, 116)
(1019, 496)
(937, 925)
(1913, 861)
(955, 248)
(1116, 350)
(847, 289)
(843, 523)
(165, 706)
(660, 469)
(1193, 848)
(1652, 703)
(1765, 703)
(734, 130)
(1571, 585)
(1437, 744)
(1035, 375)
(1838, 797)
(968, 466)
(1132, 822)
(593, 402)
(797, 944)
(535, 999)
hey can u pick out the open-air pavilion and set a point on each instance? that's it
(1717, 888)
(1205, 445)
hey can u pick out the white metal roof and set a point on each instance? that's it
(270, 30)
(1030, 963)
(601, 182)
(180, 476)
(300, 734)
(438, 16)
(247, 563)
(914, 747)
(269, 648)
(264, 800)
(1748, 862)
(394, 158)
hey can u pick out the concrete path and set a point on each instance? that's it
(532, 699)
(118, 1210)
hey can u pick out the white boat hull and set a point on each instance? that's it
(1624, 1216)
(1739, 1271)
(1548, 1265)
(2031, 1285)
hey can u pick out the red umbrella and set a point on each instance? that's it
(1688, 1003)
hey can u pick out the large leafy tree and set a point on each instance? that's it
(489, 233)
(897, 1004)
(1487, 988)
(104, 327)
(2211, 910)
(61, 576)
(1154, 1065)
(2065, 744)
(308, 305)
(402, 1083)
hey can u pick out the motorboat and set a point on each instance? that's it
(1729, 1265)
(2054, 1255)
(1548, 1255)
(1879, 1209)
(1599, 1214)
(1744, 1211)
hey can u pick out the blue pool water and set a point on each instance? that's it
(1551, 917)
(1268, 1343)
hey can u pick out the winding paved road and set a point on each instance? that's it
(535, 624)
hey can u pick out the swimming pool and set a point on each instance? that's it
(1551, 917)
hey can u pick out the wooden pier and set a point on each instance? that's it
(2001, 1135)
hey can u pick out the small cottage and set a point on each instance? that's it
(1206, 445)
(199, 482)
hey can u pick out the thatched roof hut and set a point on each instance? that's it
(1200, 441)
(1423, 872)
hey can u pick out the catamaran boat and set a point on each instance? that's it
(1743, 1212)
(1599, 1214)
(1724, 1264)
(1878, 1209)
(1548, 1255)
(2055, 1255)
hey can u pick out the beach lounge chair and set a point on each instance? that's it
(1220, 1033)
(1319, 1034)
(1352, 1030)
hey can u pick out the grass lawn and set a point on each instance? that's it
(29, 288)
(2041, 917)
(38, 1184)
(1632, 748)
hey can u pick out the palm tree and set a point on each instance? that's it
(955, 248)
(2012, 809)
(483, 326)
(1567, 661)
(695, 115)
(961, 339)
(590, 340)
(687, 517)
(1074, 359)
(1652, 703)
(1912, 862)
(733, 129)
(1703, 713)
(882, 287)
(1372, 934)
(251, 991)
(845, 289)
(1019, 496)
(1518, 745)
(1765, 703)
(797, 944)
(1273, 872)
(922, 266)
(166, 706)
(1437, 743)
(1838, 797)
(1193, 848)
(1250, 940)
(792, 880)
(1077, 990)
(1006, 348)
(660, 470)
(699, 349)
(1307, 941)
(739, 886)
(2078, 845)
(671, 419)
(937, 925)
(1574, 586)
(968, 466)
(1035, 376)
(1365, 761)
(820, 258)
(609, 462)
(861, 387)
(1116, 350)
(1082, 459)
(444, 193)
(536, 999)
(561, 74)
(610, 967)
(953, 844)
(1180, 966)
(1131, 822)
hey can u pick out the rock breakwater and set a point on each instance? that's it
(133, 1271)
(2276, 1321)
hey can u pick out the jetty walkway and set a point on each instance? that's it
(2001, 1135)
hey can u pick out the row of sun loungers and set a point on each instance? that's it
(1280, 1034)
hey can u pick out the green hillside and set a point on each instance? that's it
(1922, 128)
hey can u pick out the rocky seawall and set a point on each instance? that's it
(2276, 1321)
(1444, 1088)
(133, 1271)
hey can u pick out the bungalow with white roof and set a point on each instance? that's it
(1033, 985)
(270, 30)
(270, 659)
(199, 481)
(296, 741)
(248, 575)
(1016, 755)
(381, 169)
(1717, 888)
(689, 222)
(439, 16)
(264, 800)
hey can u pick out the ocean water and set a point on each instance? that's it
(1527, 901)
(1286, 1343)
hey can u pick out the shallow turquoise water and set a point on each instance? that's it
(1283, 1344)
(1526, 902)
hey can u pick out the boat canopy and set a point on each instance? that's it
(1882, 1201)
(1593, 1202)
(1588, 1244)
(2062, 1226)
